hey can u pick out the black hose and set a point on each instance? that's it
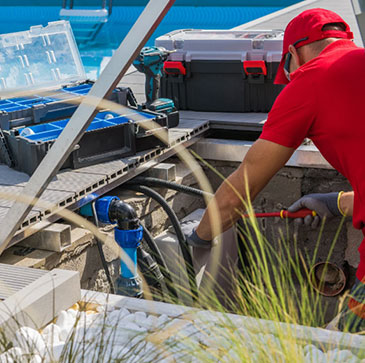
(151, 272)
(156, 254)
(180, 235)
(160, 183)
(101, 252)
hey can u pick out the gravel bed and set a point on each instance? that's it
(106, 334)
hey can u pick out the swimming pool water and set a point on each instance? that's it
(18, 18)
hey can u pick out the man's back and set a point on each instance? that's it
(325, 101)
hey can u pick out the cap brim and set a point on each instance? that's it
(280, 75)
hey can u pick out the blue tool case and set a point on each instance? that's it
(55, 104)
(109, 136)
(42, 81)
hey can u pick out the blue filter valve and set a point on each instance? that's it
(129, 283)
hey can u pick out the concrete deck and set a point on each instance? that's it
(281, 18)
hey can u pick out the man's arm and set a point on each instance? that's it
(260, 164)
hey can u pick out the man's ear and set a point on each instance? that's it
(295, 63)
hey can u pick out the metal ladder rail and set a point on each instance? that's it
(87, 30)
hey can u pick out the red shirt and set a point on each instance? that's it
(325, 101)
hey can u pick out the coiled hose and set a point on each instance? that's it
(180, 235)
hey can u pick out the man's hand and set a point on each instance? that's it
(325, 205)
(192, 239)
(195, 241)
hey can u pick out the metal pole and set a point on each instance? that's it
(145, 25)
(359, 10)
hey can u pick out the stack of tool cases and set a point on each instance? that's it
(222, 70)
(43, 69)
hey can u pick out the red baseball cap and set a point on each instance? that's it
(306, 28)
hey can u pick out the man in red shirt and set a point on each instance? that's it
(324, 101)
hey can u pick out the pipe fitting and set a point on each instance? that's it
(327, 278)
(124, 214)
(102, 206)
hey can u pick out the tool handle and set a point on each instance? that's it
(299, 214)
(152, 87)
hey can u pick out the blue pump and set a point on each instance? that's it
(128, 234)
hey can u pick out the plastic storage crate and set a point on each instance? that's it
(222, 70)
(45, 63)
(109, 136)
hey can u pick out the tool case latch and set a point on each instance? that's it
(174, 68)
(255, 67)
(256, 71)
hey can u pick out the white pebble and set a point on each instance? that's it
(120, 336)
(105, 308)
(126, 319)
(62, 319)
(29, 340)
(35, 359)
(6, 358)
(72, 312)
(117, 353)
(162, 319)
(65, 333)
(134, 327)
(315, 355)
(140, 317)
(51, 334)
(12, 355)
(309, 348)
(337, 355)
(344, 355)
(149, 322)
(56, 351)
(354, 360)
(233, 355)
(116, 316)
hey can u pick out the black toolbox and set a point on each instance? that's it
(221, 70)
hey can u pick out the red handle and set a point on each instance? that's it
(285, 214)
(299, 214)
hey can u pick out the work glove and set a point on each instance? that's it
(195, 241)
(324, 204)
(192, 239)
